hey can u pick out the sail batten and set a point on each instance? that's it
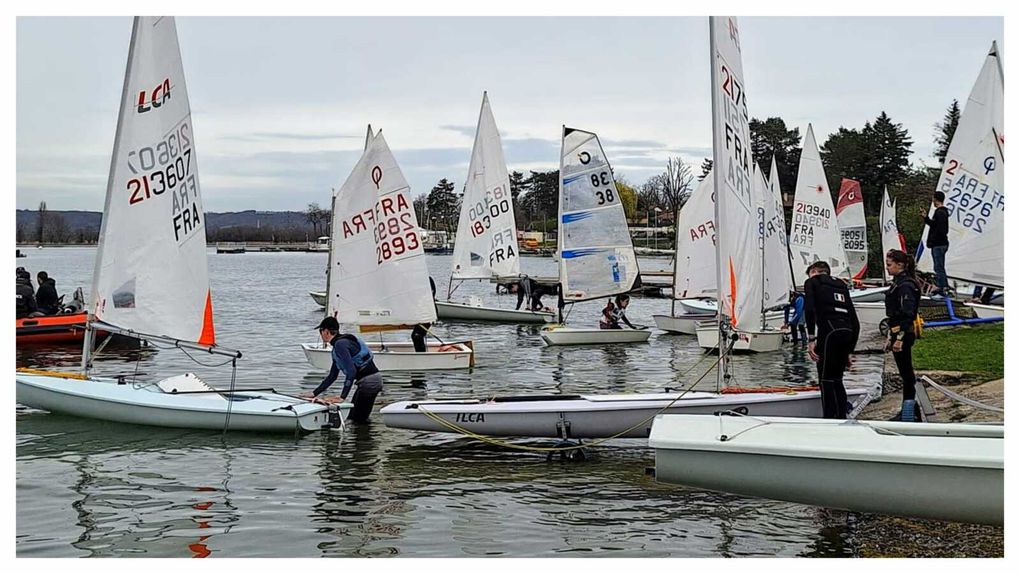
(597, 256)
(153, 209)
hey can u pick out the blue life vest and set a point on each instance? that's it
(364, 354)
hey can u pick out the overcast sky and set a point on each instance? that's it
(280, 104)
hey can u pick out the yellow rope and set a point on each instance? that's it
(46, 373)
(493, 441)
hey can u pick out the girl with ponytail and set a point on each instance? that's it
(901, 303)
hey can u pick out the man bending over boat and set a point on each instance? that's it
(352, 357)
(828, 306)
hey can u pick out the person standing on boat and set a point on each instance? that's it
(352, 357)
(938, 240)
(46, 296)
(901, 301)
(421, 330)
(793, 316)
(828, 307)
(24, 294)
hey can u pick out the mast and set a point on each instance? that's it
(91, 314)
(716, 189)
(559, 224)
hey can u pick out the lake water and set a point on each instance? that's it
(87, 488)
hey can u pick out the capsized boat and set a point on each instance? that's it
(591, 416)
(925, 470)
(151, 274)
(378, 280)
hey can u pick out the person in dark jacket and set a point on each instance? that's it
(901, 301)
(828, 307)
(793, 316)
(532, 291)
(352, 357)
(46, 296)
(24, 294)
(938, 240)
(421, 330)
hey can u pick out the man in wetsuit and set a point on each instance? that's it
(352, 357)
(827, 306)
(528, 288)
(24, 294)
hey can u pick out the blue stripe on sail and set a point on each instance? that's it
(578, 216)
(572, 179)
(920, 251)
(574, 253)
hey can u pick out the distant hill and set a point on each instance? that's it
(76, 220)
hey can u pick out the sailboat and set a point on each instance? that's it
(321, 297)
(852, 227)
(751, 290)
(628, 415)
(972, 178)
(486, 247)
(814, 231)
(596, 255)
(151, 279)
(868, 466)
(378, 278)
(872, 313)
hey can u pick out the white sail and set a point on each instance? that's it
(972, 179)
(778, 280)
(694, 274)
(486, 233)
(739, 258)
(891, 238)
(153, 211)
(379, 276)
(596, 254)
(814, 233)
(852, 227)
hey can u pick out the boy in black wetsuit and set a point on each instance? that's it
(828, 307)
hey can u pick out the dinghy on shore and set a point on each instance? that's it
(923, 470)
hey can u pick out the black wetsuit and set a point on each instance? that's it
(901, 301)
(421, 330)
(827, 305)
(532, 290)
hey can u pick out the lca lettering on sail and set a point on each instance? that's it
(147, 100)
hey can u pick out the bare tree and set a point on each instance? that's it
(676, 184)
(650, 194)
(318, 217)
(40, 225)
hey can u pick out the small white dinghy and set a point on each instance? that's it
(151, 274)
(379, 281)
(183, 401)
(709, 307)
(748, 341)
(924, 470)
(682, 323)
(451, 310)
(589, 416)
(560, 335)
(401, 356)
(988, 311)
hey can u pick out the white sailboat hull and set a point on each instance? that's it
(591, 416)
(105, 399)
(319, 297)
(870, 313)
(925, 470)
(988, 311)
(773, 319)
(571, 336)
(748, 341)
(450, 310)
(400, 356)
(869, 294)
(685, 324)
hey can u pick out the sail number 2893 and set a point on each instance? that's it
(395, 236)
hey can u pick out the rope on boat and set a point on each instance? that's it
(497, 442)
(960, 398)
(230, 403)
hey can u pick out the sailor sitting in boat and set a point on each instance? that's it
(46, 296)
(352, 357)
(612, 314)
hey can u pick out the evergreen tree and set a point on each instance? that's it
(542, 197)
(771, 137)
(888, 159)
(443, 206)
(945, 130)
